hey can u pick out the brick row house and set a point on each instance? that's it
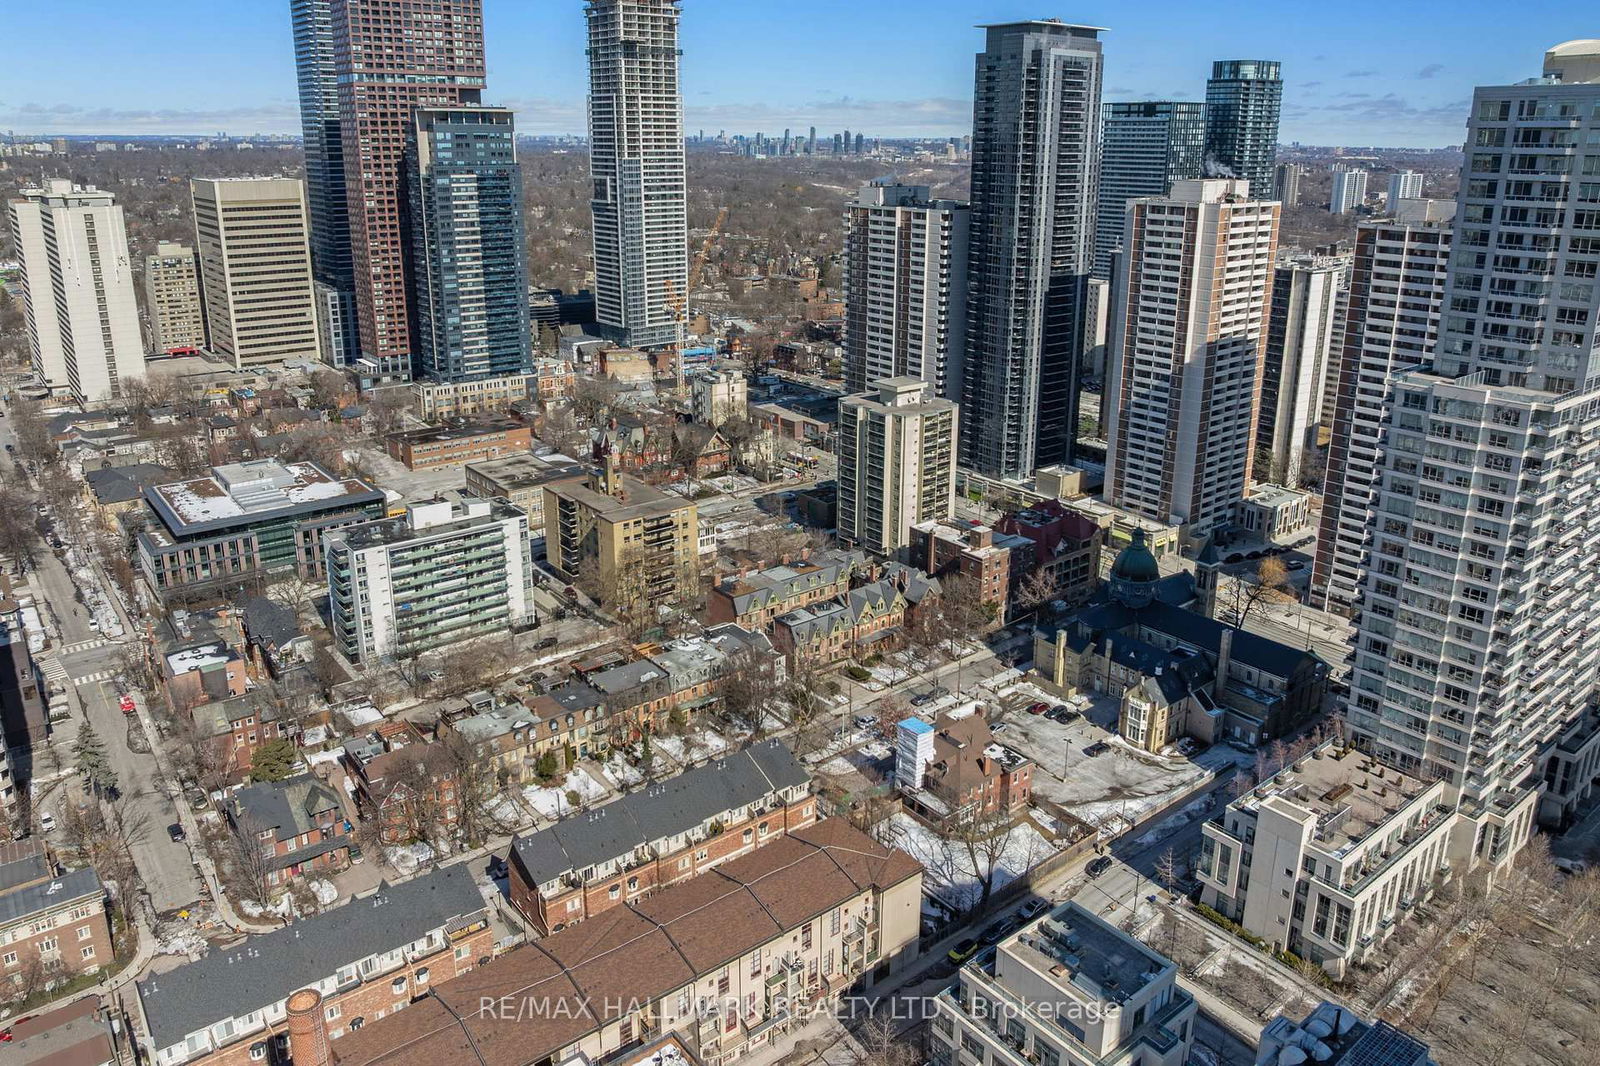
(754, 598)
(368, 959)
(837, 629)
(592, 862)
(404, 781)
(299, 822)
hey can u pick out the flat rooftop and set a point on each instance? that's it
(517, 471)
(1077, 948)
(638, 500)
(245, 492)
(1351, 793)
(198, 658)
(476, 427)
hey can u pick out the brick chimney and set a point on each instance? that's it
(308, 1029)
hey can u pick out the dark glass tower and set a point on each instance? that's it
(468, 262)
(1147, 145)
(1035, 159)
(1243, 99)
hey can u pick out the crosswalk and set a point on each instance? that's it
(53, 670)
(84, 645)
(98, 675)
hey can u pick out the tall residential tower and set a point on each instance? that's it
(1148, 145)
(636, 159)
(1243, 99)
(1035, 161)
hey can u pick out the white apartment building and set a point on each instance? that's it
(720, 396)
(1404, 185)
(77, 290)
(172, 299)
(1299, 358)
(255, 269)
(1475, 658)
(1392, 323)
(447, 571)
(905, 285)
(1191, 303)
(641, 228)
(1349, 191)
(1328, 855)
(897, 463)
(1069, 989)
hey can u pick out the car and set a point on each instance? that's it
(1099, 747)
(1098, 866)
(125, 704)
(996, 931)
(498, 869)
(47, 821)
(1038, 708)
(356, 856)
(999, 728)
(1571, 866)
(963, 951)
(197, 799)
(1060, 708)
(175, 831)
(546, 643)
(921, 698)
(1297, 565)
(94, 625)
(434, 676)
(865, 721)
(1032, 909)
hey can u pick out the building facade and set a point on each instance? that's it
(1349, 191)
(1299, 358)
(447, 571)
(720, 396)
(636, 158)
(1286, 179)
(639, 544)
(469, 267)
(1403, 185)
(77, 290)
(459, 442)
(1184, 375)
(389, 58)
(255, 269)
(1068, 989)
(521, 480)
(1394, 301)
(1243, 99)
(1035, 162)
(172, 302)
(54, 923)
(440, 401)
(1486, 534)
(897, 463)
(905, 284)
(1148, 145)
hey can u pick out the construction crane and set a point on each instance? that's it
(678, 303)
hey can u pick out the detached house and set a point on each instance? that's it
(299, 822)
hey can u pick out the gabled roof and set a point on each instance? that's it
(264, 969)
(663, 809)
(288, 807)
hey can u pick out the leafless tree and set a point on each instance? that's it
(746, 689)
(249, 858)
(983, 836)
(1168, 870)
(1271, 585)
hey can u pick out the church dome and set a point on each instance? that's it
(1135, 573)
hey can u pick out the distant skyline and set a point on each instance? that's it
(1363, 73)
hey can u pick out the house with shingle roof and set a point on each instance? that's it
(299, 821)
(600, 859)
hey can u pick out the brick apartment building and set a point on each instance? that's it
(49, 918)
(369, 958)
(459, 443)
(300, 823)
(1067, 545)
(668, 832)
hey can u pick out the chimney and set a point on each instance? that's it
(308, 1029)
(1224, 658)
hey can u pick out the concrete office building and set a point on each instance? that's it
(446, 571)
(1349, 191)
(1392, 323)
(1068, 989)
(172, 304)
(1184, 375)
(469, 269)
(720, 396)
(905, 285)
(255, 269)
(1286, 179)
(1472, 661)
(327, 207)
(897, 463)
(1404, 185)
(636, 160)
(391, 57)
(1243, 99)
(1299, 358)
(1326, 857)
(1147, 145)
(77, 290)
(1035, 163)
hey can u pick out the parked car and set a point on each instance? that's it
(1038, 708)
(963, 951)
(921, 698)
(1098, 748)
(996, 931)
(125, 704)
(1571, 866)
(1098, 866)
(546, 643)
(356, 856)
(47, 821)
(175, 831)
(1032, 909)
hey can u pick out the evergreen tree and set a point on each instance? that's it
(89, 752)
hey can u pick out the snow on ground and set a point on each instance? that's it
(949, 871)
(407, 858)
(553, 802)
(876, 749)
(327, 894)
(620, 773)
(837, 766)
(1191, 812)
(697, 746)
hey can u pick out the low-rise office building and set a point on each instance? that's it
(590, 863)
(447, 571)
(247, 517)
(441, 400)
(459, 442)
(1328, 855)
(1069, 989)
(723, 961)
(521, 479)
(366, 959)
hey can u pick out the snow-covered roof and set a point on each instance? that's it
(252, 490)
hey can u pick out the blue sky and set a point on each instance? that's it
(1357, 73)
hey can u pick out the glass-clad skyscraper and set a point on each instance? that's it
(1243, 99)
(1146, 146)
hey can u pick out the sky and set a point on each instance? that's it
(1355, 73)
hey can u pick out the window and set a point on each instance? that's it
(258, 1051)
(11, 958)
(614, 892)
(87, 953)
(357, 1023)
(422, 976)
(332, 1013)
(85, 932)
(722, 983)
(398, 985)
(462, 952)
(805, 937)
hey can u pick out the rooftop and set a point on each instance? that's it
(1350, 793)
(1332, 1035)
(74, 1035)
(254, 491)
(426, 521)
(198, 658)
(637, 500)
(1077, 948)
(457, 429)
(522, 470)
